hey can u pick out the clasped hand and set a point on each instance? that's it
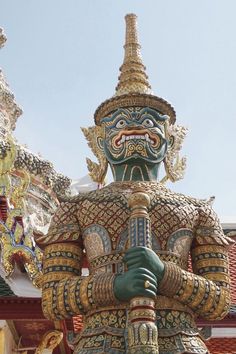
(143, 265)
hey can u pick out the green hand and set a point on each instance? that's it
(137, 257)
(132, 283)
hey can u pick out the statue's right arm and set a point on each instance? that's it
(66, 292)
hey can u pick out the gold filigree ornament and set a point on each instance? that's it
(95, 136)
(174, 165)
(50, 340)
(15, 243)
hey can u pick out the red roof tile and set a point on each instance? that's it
(222, 345)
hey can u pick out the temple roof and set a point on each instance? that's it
(5, 289)
(222, 345)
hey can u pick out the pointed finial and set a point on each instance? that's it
(133, 89)
(3, 38)
(133, 78)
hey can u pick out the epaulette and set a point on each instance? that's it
(99, 195)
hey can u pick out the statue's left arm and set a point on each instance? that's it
(207, 289)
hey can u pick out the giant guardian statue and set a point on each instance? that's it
(157, 259)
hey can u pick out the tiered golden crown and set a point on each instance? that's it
(133, 88)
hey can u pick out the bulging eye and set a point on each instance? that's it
(121, 124)
(148, 123)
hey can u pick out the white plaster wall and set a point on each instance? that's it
(224, 332)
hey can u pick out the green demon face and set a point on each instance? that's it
(135, 133)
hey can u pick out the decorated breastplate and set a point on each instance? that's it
(104, 221)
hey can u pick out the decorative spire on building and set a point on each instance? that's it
(9, 109)
(3, 38)
(133, 89)
(133, 78)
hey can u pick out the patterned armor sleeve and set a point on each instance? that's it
(65, 292)
(206, 290)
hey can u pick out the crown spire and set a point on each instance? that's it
(133, 89)
(133, 78)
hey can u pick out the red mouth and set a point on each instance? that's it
(137, 134)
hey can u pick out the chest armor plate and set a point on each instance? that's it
(104, 222)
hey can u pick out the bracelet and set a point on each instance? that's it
(171, 281)
(103, 289)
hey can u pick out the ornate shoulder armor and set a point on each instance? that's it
(209, 230)
(64, 226)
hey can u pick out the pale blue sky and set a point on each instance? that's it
(62, 59)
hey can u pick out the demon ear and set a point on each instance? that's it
(174, 165)
(95, 137)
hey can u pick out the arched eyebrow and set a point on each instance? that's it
(157, 116)
(112, 118)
